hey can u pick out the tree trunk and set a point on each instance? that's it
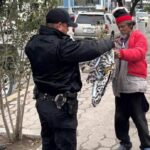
(120, 3)
(4, 118)
(22, 28)
(134, 3)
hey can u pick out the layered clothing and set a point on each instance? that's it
(129, 86)
(131, 68)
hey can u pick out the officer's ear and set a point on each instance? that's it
(57, 25)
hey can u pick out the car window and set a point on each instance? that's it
(90, 19)
(142, 14)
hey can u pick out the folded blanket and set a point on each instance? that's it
(100, 72)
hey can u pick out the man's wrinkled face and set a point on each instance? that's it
(124, 28)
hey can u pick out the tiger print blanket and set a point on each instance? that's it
(100, 72)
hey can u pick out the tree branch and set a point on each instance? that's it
(134, 3)
(120, 3)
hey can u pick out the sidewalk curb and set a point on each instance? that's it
(26, 132)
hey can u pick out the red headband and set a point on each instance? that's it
(123, 18)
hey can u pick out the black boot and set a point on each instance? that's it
(123, 147)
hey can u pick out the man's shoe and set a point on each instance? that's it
(122, 147)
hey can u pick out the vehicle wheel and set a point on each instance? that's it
(7, 83)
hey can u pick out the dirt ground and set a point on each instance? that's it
(27, 143)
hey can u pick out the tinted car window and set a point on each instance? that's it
(90, 19)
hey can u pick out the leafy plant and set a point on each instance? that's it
(147, 8)
(133, 3)
(19, 20)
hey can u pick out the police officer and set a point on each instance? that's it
(54, 59)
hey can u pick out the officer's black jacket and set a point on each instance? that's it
(55, 58)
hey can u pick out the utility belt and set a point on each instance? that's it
(68, 98)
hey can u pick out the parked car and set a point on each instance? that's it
(9, 56)
(142, 16)
(91, 24)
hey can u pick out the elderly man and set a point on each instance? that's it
(130, 83)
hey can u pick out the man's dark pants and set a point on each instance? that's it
(58, 128)
(131, 105)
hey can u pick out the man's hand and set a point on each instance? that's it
(117, 54)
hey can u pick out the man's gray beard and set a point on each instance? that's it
(123, 35)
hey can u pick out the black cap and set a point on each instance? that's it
(120, 11)
(121, 14)
(59, 15)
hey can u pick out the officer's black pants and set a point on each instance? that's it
(131, 105)
(58, 129)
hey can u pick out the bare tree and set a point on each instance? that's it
(23, 22)
(120, 3)
(2, 2)
(133, 5)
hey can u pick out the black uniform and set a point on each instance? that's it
(54, 59)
